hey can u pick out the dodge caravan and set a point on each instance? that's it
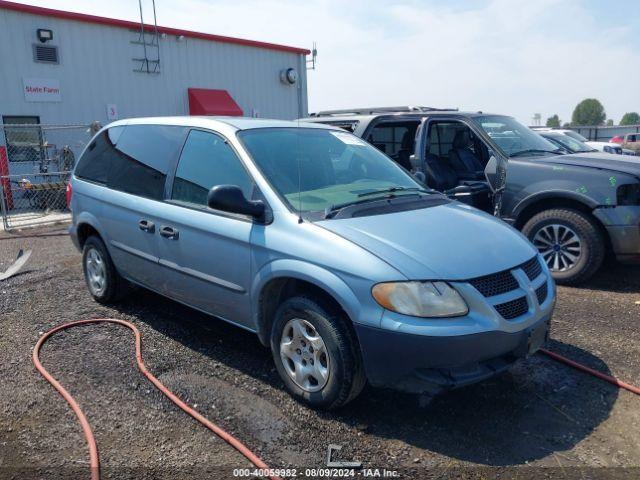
(341, 262)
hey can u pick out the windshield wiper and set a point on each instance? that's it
(395, 189)
(332, 210)
(534, 150)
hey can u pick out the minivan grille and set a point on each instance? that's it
(541, 293)
(513, 309)
(532, 268)
(495, 284)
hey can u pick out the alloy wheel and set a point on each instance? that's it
(96, 272)
(304, 355)
(559, 246)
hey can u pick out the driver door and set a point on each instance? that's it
(495, 164)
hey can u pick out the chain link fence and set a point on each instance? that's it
(35, 164)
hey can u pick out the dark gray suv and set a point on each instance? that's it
(573, 208)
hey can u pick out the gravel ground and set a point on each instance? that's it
(539, 414)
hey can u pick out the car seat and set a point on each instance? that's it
(440, 174)
(462, 158)
(406, 149)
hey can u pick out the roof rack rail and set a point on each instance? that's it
(372, 110)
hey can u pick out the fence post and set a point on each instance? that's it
(3, 210)
(4, 178)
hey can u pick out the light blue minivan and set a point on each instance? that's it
(337, 258)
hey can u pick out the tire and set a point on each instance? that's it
(590, 243)
(114, 287)
(345, 376)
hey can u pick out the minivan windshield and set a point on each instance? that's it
(317, 169)
(513, 138)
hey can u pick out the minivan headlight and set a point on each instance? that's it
(420, 299)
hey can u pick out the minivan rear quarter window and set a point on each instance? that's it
(144, 154)
(96, 161)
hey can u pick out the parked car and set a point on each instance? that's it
(338, 259)
(605, 147)
(631, 141)
(574, 208)
(566, 143)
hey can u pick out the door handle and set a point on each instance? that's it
(146, 226)
(169, 232)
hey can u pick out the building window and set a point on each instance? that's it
(24, 142)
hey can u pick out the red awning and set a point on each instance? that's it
(205, 101)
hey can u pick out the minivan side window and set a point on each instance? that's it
(207, 161)
(95, 163)
(144, 155)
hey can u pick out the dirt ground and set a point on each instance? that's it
(541, 419)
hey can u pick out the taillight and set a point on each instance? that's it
(69, 194)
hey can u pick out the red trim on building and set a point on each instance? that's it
(82, 17)
(206, 101)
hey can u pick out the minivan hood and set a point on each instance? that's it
(607, 161)
(447, 242)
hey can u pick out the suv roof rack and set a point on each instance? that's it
(373, 110)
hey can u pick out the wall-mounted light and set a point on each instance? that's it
(180, 38)
(44, 35)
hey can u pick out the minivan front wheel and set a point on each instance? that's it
(316, 353)
(103, 281)
(570, 243)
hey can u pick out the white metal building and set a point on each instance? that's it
(62, 67)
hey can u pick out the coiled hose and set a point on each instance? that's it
(86, 428)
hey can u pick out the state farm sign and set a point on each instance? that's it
(41, 90)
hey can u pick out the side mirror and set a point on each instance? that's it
(491, 172)
(229, 198)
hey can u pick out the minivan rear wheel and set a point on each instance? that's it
(316, 354)
(103, 280)
(570, 243)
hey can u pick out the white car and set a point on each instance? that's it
(606, 147)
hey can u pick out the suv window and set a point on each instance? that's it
(207, 161)
(392, 137)
(144, 153)
(95, 163)
(441, 136)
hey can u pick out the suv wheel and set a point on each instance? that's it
(316, 354)
(570, 243)
(104, 282)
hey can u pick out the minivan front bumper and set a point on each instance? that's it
(433, 364)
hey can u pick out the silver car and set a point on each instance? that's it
(336, 257)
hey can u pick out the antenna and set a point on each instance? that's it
(311, 63)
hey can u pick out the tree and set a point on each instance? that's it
(553, 121)
(609, 122)
(630, 118)
(588, 112)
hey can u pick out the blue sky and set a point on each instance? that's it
(517, 57)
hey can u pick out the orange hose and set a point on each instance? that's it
(86, 428)
(595, 373)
